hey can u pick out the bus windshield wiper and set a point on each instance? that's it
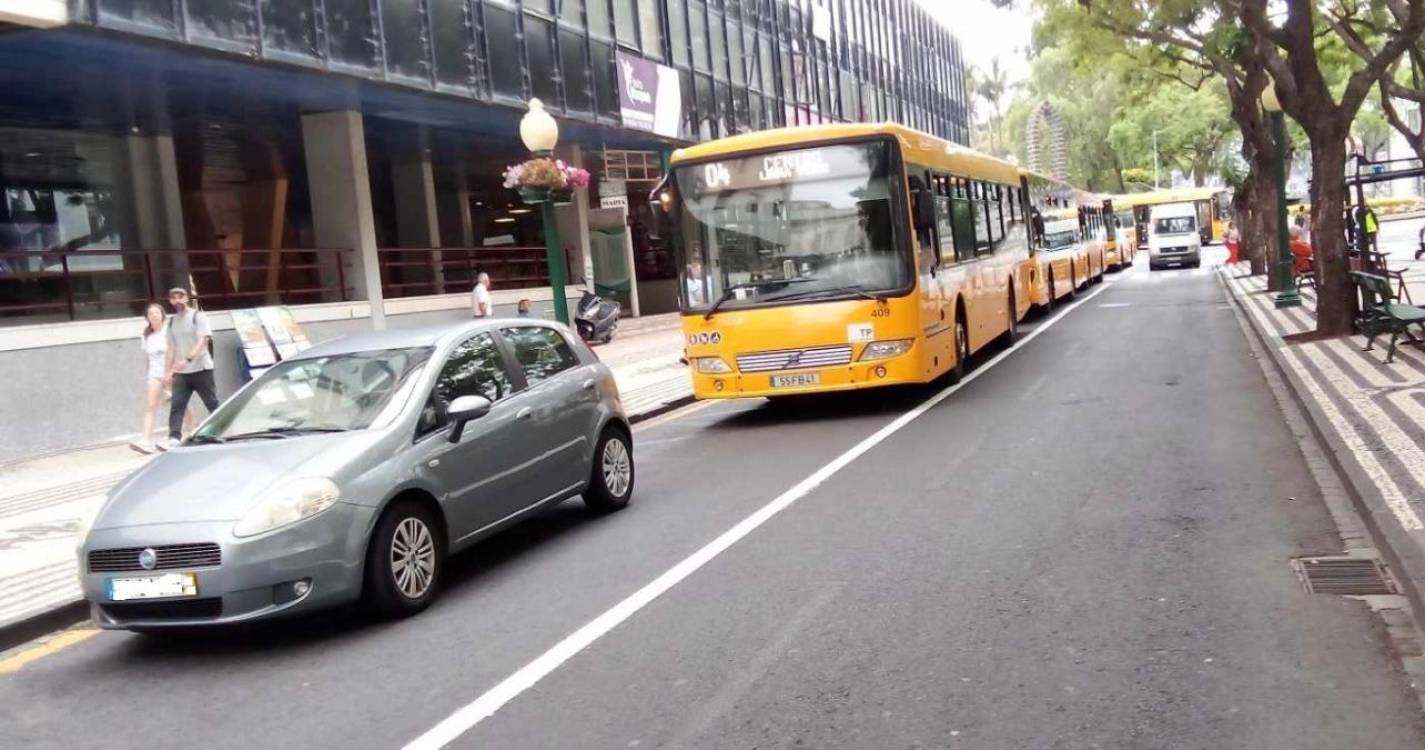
(852, 289)
(282, 432)
(732, 291)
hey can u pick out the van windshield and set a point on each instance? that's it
(1174, 225)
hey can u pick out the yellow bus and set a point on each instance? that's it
(1070, 231)
(1124, 227)
(1214, 209)
(840, 257)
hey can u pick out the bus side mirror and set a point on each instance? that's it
(924, 204)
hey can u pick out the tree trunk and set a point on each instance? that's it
(1336, 299)
(1244, 209)
(1263, 250)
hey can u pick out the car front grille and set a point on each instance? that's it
(186, 609)
(169, 556)
(792, 359)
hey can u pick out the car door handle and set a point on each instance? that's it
(524, 413)
(589, 384)
(434, 462)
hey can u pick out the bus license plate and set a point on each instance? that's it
(796, 381)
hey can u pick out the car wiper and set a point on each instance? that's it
(205, 439)
(282, 432)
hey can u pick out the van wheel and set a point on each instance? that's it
(962, 351)
(611, 484)
(404, 560)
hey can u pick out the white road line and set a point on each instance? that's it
(1114, 304)
(485, 706)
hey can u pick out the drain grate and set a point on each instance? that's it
(1349, 576)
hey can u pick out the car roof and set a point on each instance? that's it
(427, 335)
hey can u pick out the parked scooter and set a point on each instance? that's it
(596, 318)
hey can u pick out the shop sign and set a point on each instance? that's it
(649, 95)
(613, 201)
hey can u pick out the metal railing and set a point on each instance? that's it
(103, 283)
(413, 272)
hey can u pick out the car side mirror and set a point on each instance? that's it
(463, 410)
(924, 202)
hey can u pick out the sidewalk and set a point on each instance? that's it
(1370, 416)
(43, 499)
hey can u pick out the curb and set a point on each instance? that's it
(44, 623)
(1403, 550)
(659, 411)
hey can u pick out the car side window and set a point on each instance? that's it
(541, 352)
(474, 368)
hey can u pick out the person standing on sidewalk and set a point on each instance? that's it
(190, 364)
(480, 296)
(155, 347)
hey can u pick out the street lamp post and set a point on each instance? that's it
(1288, 296)
(540, 134)
(1155, 160)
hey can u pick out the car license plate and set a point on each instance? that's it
(153, 587)
(794, 381)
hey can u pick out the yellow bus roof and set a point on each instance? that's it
(920, 148)
(1155, 197)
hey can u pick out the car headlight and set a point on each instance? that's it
(711, 365)
(289, 503)
(886, 349)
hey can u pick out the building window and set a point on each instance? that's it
(503, 39)
(288, 27)
(234, 23)
(605, 86)
(351, 33)
(650, 29)
(539, 43)
(625, 23)
(451, 33)
(143, 16)
(698, 29)
(407, 48)
(578, 85)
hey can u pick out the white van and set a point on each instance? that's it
(1173, 236)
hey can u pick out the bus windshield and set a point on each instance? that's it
(813, 223)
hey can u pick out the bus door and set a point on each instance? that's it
(1204, 220)
(934, 321)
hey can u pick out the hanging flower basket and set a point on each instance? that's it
(543, 179)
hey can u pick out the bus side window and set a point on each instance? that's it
(944, 227)
(989, 208)
(962, 218)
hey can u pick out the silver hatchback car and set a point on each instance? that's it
(353, 470)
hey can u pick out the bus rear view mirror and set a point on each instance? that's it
(924, 206)
(661, 203)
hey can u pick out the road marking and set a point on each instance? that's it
(1114, 304)
(679, 413)
(18, 661)
(465, 718)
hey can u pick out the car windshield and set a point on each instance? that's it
(810, 223)
(318, 394)
(1174, 225)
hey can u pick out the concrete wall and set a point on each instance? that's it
(70, 395)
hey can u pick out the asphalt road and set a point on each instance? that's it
(1085, 546)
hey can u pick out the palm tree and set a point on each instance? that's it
(992, 87)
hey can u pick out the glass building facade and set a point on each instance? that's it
(743, 64)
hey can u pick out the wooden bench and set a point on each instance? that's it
(1381, 313)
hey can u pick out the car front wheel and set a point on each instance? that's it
(404, 560)
(612, 482)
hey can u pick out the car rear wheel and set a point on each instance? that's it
(612, 482)
(405, 560)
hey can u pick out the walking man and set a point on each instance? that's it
(480, 297)
(190, 364)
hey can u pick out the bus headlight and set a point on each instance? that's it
(886, 349)
(711, 366)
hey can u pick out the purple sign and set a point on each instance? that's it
(649, 95)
